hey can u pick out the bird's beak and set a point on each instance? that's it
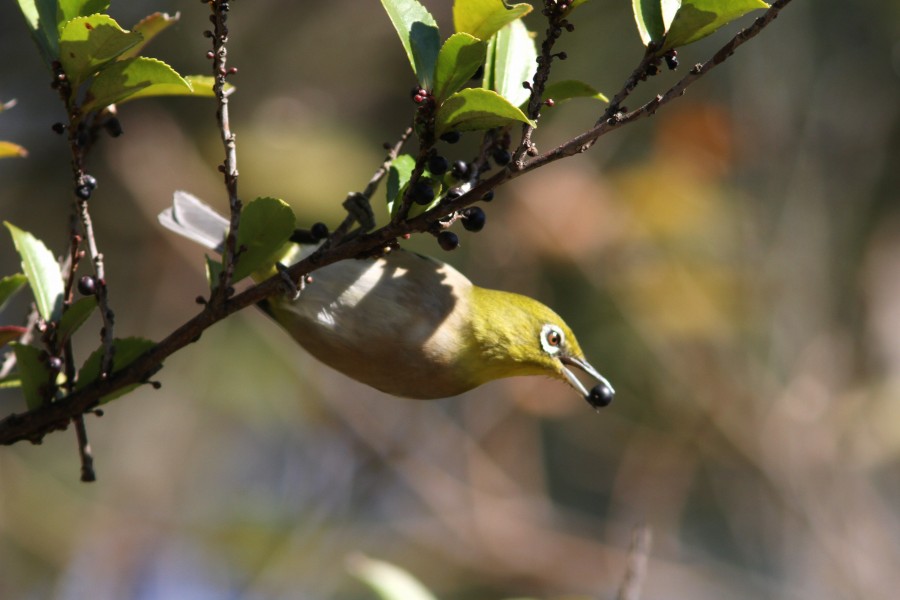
(601, 394)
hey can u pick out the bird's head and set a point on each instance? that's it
(517, 335)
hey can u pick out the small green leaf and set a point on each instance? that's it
(40, 15)
(398, 176)
(149, 27)
(134, 78)
(696, 19)
(42, 271)
(266, 225)
(125, 351)
(33, 372)
(560, 91)
(213, 271)
(458, 60)
(74, 317)
(484, 18)
(69, 9)
(388, 581)
(419, 35)
(10, 150)
(87, 44)
(476, 108)
(9, 285)
(513, 59)
(202, 86)
(10, 333)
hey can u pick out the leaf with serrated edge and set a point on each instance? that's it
(74, 317)
(388, 581)
(266, 226)
(697, 19)
(514, 62)
(458, 60)
(69, 9)
(134, 78)
(149, 27)
(475, 109)
(484, 18)
(9, 285)
(125, 351)
(87, 44)
(567, 89)
(42, 270)
(33, 373)
(419, 35)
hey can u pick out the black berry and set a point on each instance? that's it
(422, 192)
(473, 218)
(83, 191)
(460, 169)
(319, 231)
(671, 59)
(488, 196)
(601, 395)
(113, 127)
(90, 181)
(454, 193)
(501, 156)
(438, 165)
(59, 128)
(55, 364)
(451, 137)
(87, 285)
(448, 240)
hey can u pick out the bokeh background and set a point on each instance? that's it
(732, 265)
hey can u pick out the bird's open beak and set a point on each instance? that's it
(601, 394)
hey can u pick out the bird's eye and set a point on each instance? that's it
(551, 338)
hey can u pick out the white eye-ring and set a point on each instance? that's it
(552, 339)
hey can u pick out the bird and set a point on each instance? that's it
(408, 324)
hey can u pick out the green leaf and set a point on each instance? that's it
(696, 19)
(202, 86)
(9, 285)
(149, 27)
(513, 59)
(125, 351)
(560, 91)
(42, 271)
(74, 317)
(398, 176)
(419, 34)
(40, 15)
(388, 581)
(476, 108)
(34, 374)
(458, 60)
(69, 9)
(484, 18)
(10, 150)
(266, 225)
(134, 78)
(649, 19)
(87, 44)
(10, 333)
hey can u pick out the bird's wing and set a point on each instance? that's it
(190, 217)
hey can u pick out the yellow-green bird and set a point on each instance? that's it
(410, 325)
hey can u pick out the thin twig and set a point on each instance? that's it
(33, 425)
(636, 570)
(231, 252)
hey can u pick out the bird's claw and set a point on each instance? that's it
(358, 207)
(291, 289)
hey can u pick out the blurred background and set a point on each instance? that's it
(732, 265)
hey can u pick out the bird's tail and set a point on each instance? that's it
(190, 217)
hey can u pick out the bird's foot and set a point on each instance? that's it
(292, 290)
(358, 207)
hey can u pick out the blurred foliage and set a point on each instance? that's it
(730, 264)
